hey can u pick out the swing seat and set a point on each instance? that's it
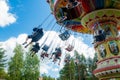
(75, 11)
(45, 48)
(64, 36)
(46, 55)
(37, 35)
(69, 48)
(58, 50)
(36, 48)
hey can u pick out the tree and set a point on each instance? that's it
(2, 60)
(91, 64)
(72, 70)
(79, 68)
(47, 77)
(2, 63)
(15, 69)
(68, 71)
(64, 73)
(31, 67)
(80, 61)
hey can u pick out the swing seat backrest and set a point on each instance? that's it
(69, 48)
(36, 47)
(45, 48)
(58, 50)
(64, 36)
(38, 35)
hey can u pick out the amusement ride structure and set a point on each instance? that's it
(100, 18)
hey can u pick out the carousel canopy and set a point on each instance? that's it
(84, 11)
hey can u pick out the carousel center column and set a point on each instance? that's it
(105, 25)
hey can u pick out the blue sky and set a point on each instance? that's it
(19, 20)
(28, 15)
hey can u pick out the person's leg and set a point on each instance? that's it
(29, 36)
(63, 10)
(62, 13)
(42, 56)
(28, 44)
(46, 55)
(52, 55)
(25, 41)
(54, 60)
(59, 61)
(33, 53)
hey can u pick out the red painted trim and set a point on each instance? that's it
(108, 59)
(106, 68)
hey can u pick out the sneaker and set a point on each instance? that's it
(62, 19)
(26, 46)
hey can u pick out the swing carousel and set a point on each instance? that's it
(100, 18)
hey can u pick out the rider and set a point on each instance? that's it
(64, 11)
(35, 49)
(36, 35)
(57, 55)
(44, 54)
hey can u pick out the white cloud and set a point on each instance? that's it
(45, 66)
(55, 69)
(6, 17)
(84, 49)
(10, 44)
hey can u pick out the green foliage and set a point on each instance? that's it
(31, 67)
(64, 73)
(2, 60)
(15, 69)
(47, 77)
(23, 68)
(79, 68)
(91, 65)
(68, 71)
(3, 74)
